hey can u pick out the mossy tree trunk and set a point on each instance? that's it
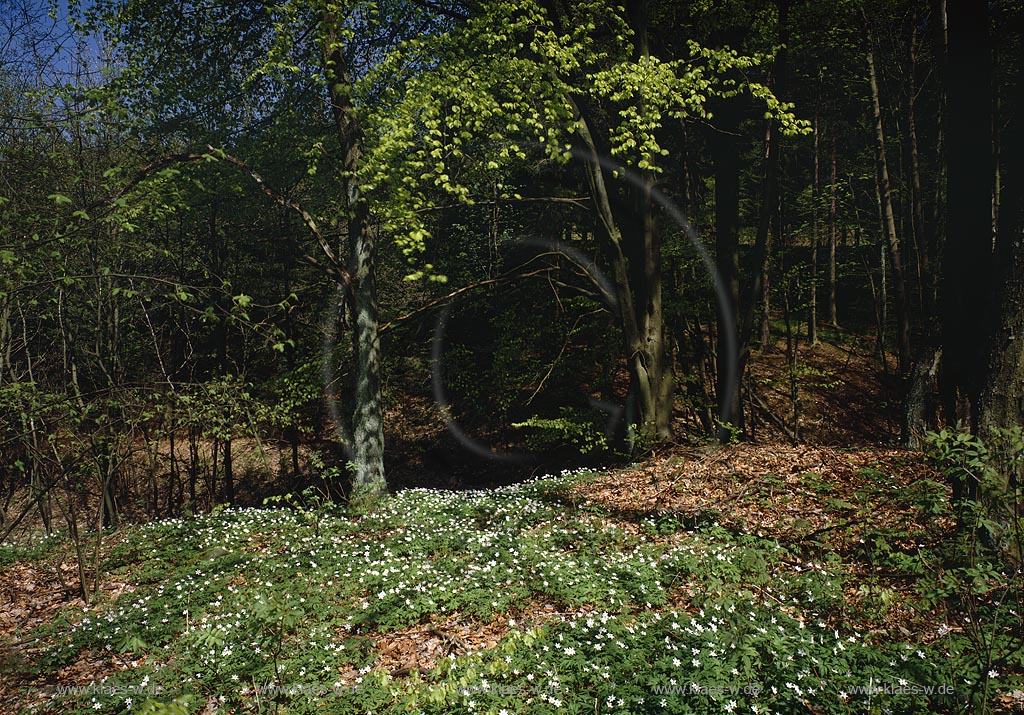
(368, 481)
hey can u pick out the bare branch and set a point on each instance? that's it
(582, 202)
(465, 289)
(443, 10)
(281, 200)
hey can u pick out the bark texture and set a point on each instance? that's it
(368, 482)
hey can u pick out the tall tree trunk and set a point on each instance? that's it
(899, 279)
(967, 265)
(759, 281)
(792, 351)
(193, 464)
(229, 473)
(727, 247)
(173, 476)
(997, 142)
(635, 257)
(812, 317)
(368, 482)
(653, 317)
(646, 279)
(765, 337)
(881, 295)
(649, 395)
(936, 235)
(916, 208)
(920, 414)
(833, 235)
(1002, 402)
(1003, 397)
(756, 279)
(107, 473)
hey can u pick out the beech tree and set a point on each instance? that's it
(576, 80)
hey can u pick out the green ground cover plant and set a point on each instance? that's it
(280, 609)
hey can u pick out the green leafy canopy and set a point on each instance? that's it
(509, 78)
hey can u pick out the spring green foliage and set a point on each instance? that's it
(572, 428)
(982, 566)
(989, 473)
(504, 86)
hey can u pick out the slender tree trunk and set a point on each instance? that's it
(888, 219)
(765, 338)
(916, 208)
(812, 317)
(173, 477)
(109, 473)
(884, 283)
(725, 149)
(759, 289)
(727, 246)
(881, 295)
(6, 342)
(791, 360)
(757, 278)
(229, 473)
(997, 144)
(211, 483)
(368, 482)
(920, 408)
(219, 253)
(193, 466)
(833, 235)
(936, 233)
(687, 188)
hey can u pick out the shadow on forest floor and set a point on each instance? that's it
(841, 388)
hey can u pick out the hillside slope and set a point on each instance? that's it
(735, 579)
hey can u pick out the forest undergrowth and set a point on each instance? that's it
(795, 579)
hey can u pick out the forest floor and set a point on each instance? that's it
(768, 577)
(841, 390)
